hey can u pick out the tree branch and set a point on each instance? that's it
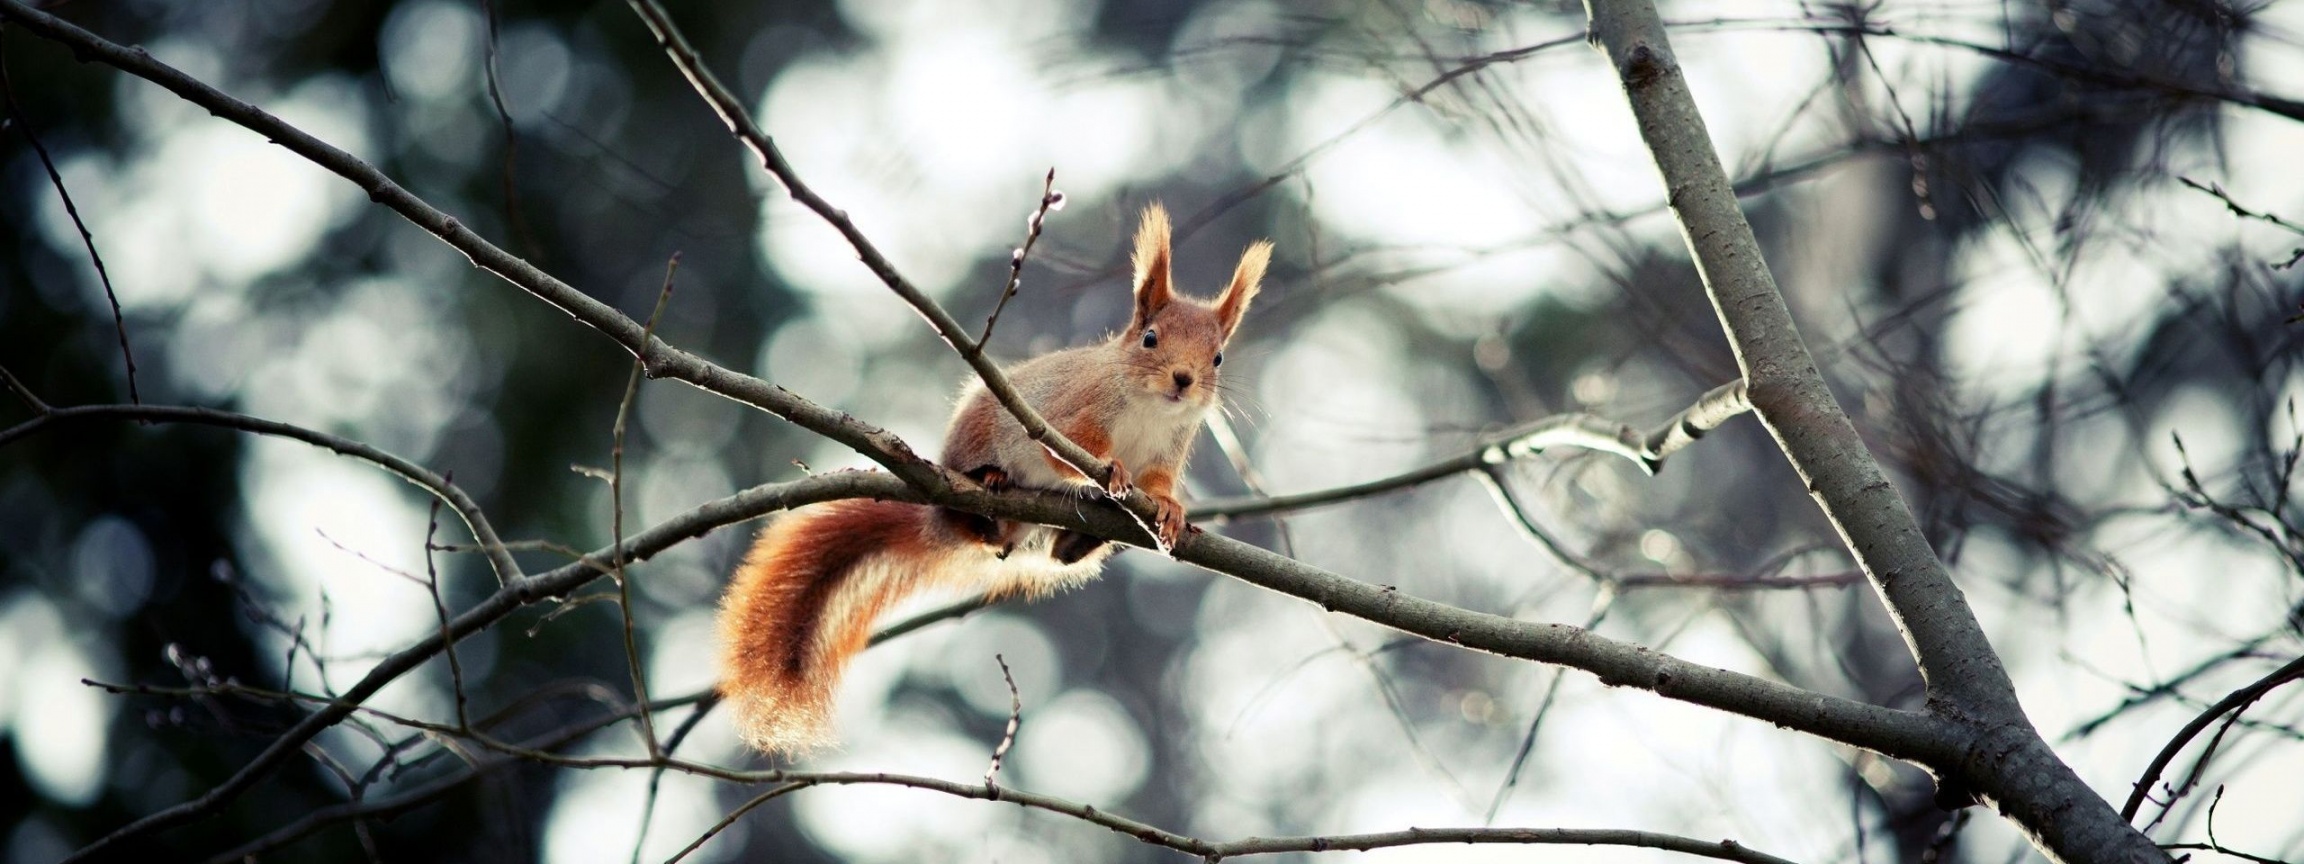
(2236, 701)
(662, 360)
(514, 595)
(1898, 734)
(483, 534)
(1717, 406)
(71, 210)
(2004, 756)
(790, 781)
(739, 122)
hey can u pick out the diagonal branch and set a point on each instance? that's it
(2233, 703)
(2005, 757)
(71, 210)
(739, 122)
(662, 360)
(1050, 199)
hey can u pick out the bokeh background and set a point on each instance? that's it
(1979, 211)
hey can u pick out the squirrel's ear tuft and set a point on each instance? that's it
(1246, 279)
(1152, 288)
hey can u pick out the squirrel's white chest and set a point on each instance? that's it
(1152, 430)
(1148, 432)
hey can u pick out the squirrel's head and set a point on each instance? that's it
(1174, 344)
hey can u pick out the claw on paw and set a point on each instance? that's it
(1121, 483)
(1169, 515)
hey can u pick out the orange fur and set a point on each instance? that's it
(804, 600)
(803, 603)
(1086, 432)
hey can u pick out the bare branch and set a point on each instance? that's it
(318, 820)
(748, 806)
(1050, 199)
(515, 593)
(739, 122)
(2216, 845)
(23, 393)
(2004, 757)
(616, 500)
(2245, 213)
(2217, 192)
(512, 210)
(87, 239)
(440, 609)
(2233, 703)
(1900, 734)
(662, 360)
(953, 612)
(1007, 737)
(507, 571)
(1717, 406)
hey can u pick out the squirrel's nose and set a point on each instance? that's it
(1183, 379)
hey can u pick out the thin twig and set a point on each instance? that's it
(24, 393)
(786, 782)
(1050, 199)
(739, 122)
(512, 211)
(663, 360)
(1008, 737)
(624, 586)
(2172, 687)
(2237, 701)
(440, 608)
(1648, 450)
(1602, 603)
(507, 571)
(695, 717)
(2217, 191)
(1762, 578)
(748, 806)
(2215, 845)
(2297, 256)
(418, 796)
(412, 578)
(955, 611)
(616, 499)
(103, 276)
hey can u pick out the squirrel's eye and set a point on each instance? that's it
(1151, 337)
(1219, 359)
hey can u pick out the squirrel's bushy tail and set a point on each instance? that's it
(803, 603)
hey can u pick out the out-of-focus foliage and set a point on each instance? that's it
(1978, 210)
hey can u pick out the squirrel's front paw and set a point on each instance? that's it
(1119, 486)
(1169, 514)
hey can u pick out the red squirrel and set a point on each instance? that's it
(803, 602)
